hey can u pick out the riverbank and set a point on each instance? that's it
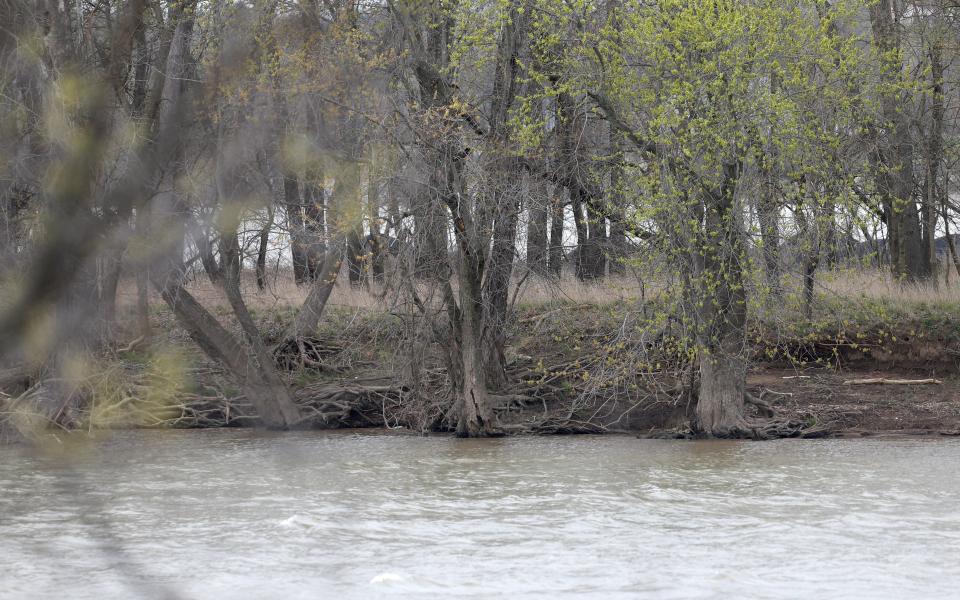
(582, 364)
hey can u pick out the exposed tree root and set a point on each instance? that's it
(763, 408)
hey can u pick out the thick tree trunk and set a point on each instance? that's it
(430, 233)
(895, 179)
(211, 266)
(356, 255)
(167, 204)
(295, 225)
(768, 215)
(111, 267)
(314, 224)
(720, 301)
(250, 366)
(594, 264)
(475, 417)
(497, 289)
(508, 190)
(770, 241)
(538, 217)
(932, 200)
(720, 403)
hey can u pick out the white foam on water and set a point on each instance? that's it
(390, 578)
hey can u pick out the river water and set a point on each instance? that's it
(241, 514)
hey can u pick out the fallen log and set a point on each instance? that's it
(885, 381)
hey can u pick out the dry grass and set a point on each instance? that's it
(878, 285)
(282, 292)
(855, 285)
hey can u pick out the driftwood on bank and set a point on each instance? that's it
(885, 381)
(328, 405)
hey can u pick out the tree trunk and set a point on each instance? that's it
(895, 179)
(475, 416)
(538, 217)
(262, 251)
(595, 266)
(308, 317)
(720, 312)
(298, 243)
(356, 254)
(276, 405)
(768, 215)
(374, 243)
(497, 288)
(720, 403)
(430, 234)
(258, 380)
(143, 275)
(313, 238)
(951, 244)
(931, 199)
(583, 235)
(809, 230)
(617, 245)
(211, 266)
(143, 304)
(556, 233)
(111, 267)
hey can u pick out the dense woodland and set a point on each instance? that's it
(441, 156)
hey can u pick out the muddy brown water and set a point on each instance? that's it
(241, 514)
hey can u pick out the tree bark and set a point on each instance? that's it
(262, 250)
(616, 247)
(538, 218)
(895, 177)
(720, 301)
(312, 246)
(308, 317)
(497, 288)
(951, 243)
(258, 380)
(356, 255)
(556, 257)
(932, 199)
(374, 244)
(720, 403)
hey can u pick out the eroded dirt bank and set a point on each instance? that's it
(573, 369)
